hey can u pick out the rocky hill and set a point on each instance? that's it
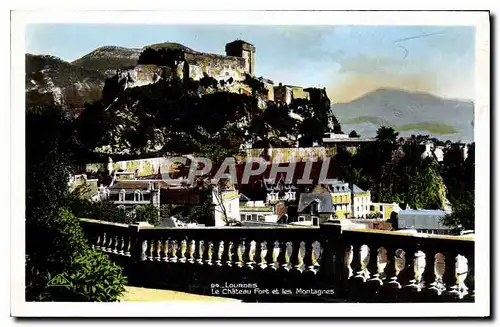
(408, 113)
(108, 59)
(51, 80)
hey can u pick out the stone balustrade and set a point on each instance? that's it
(355, 266)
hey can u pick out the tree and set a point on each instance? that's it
(353, 134)
(55, 244)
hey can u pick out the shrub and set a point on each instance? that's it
(147, 213)
(63, 252)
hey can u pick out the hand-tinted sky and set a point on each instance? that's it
(348, 60)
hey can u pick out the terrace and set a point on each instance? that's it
(305, 264)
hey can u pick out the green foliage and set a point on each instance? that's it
(463, 213)
(56, 246)
(147, 213)
(353, 134)
(394, 171)
(101, 210)
(55, 243)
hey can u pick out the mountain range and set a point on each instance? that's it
(408, 113)
(51, 80)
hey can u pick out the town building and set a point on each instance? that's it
(256, 211)
(384, 209)
(343, 141)
(423, 221)
(341, 197)
(280, 191)
(361, 201)
(315, 208)
(226, 206)
(432, 151)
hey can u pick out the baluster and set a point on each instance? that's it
(287, 253)
(220, 253)
(116, 243)
(174, 247)
(201, 250)
(230, 253)
(348, 259)
(459, 289)
(107, 245)
(98, 242)
(417, 266)
(469, 281)
(126, 246)
(157, 250)
(438, 267)
(183, 249)
(241, 252)
(150, 250)
(430, 276)
(210, 253)
(121, 245)
(275, 254)
(144, 247)
(111, 244)
(364, 258)
(251, 252)
(392, 269)
(263, 253)
(298, 254)
(164, 250)
(192, 251)
(375, 268)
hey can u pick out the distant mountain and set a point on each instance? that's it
(108, 59)
(409, 113)
(51, 80)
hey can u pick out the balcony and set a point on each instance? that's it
(292, 264)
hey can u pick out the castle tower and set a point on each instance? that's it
(244, 50)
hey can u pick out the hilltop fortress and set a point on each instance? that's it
(230, 69)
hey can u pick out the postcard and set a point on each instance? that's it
(204, 164)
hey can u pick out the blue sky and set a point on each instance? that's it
(348, 60)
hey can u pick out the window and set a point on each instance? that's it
(229, 207)
(314, 208)
(254, 217)
(121, 195)
(138, 196)
(372, 208)
(261, 218)
(301, 218)
(315, 221)
(381, 208)
(243, 217)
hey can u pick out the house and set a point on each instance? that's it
(361, 201)
(315, 208)
(384, 209)
(432, 151)
(279, 191)
(226, 201)
(423, 221)
(262, 211)
(341, 197)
